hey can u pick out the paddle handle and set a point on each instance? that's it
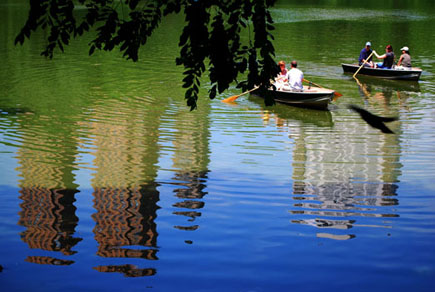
(246, 92)
(308, 81)
(234, 97)
(365, 61)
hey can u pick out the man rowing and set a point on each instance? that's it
(365, 55)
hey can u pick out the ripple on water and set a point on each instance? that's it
(316, 14)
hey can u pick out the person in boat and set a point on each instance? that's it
(388, 58)
(295, 77)
(405, 58)
(281, 79)
(365, 54)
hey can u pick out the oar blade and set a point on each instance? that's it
(231, 98)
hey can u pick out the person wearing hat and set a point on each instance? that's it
(364, 54)
(405, 58)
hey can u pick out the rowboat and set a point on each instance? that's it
(401, 73)
(310, 97)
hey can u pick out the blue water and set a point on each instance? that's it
(109, 183)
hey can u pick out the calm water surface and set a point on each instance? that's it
(109, 182)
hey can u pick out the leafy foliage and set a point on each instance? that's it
(211, 34)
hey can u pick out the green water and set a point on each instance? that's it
(109, 182)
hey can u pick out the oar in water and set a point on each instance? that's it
(365, 61)
(336, 94)
(234, 97)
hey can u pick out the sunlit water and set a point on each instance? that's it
(109, 182)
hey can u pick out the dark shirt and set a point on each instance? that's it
(389, 60)
(364, 55)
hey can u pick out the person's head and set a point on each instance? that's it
(294, 64)
(389, 48)
(368, 45)
(405, 50)
(281, 65)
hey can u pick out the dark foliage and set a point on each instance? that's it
(210, 39)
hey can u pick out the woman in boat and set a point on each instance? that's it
(388, 58)
(281, 80)
(405, 58)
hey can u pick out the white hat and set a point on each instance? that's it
(368, 44)
(405, 49)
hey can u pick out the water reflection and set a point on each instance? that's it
(124, 147)
(382, 92)
(45, 260)
(47, 187)
(125, 217)
(342, 181)
(192, 191)
(50, 221)
(127, 270)
(285, 115)
(341, 201)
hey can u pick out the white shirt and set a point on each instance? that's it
(295, 77)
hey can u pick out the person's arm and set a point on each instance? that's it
(380, 57)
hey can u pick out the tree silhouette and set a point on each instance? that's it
(211, 33)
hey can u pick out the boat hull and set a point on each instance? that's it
(407, 74)
(315, 98)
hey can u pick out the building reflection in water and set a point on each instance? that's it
(190, 193)
(190, 162)
(125, 146)
(340, 184)
(125, 217)
(50, 220)
(127, 270)
(341, 201)
(47, 188)
(126, 195)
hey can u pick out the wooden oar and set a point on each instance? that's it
(365, 61)
(336, 94)
(234, 97)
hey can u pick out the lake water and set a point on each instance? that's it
(109, 182)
